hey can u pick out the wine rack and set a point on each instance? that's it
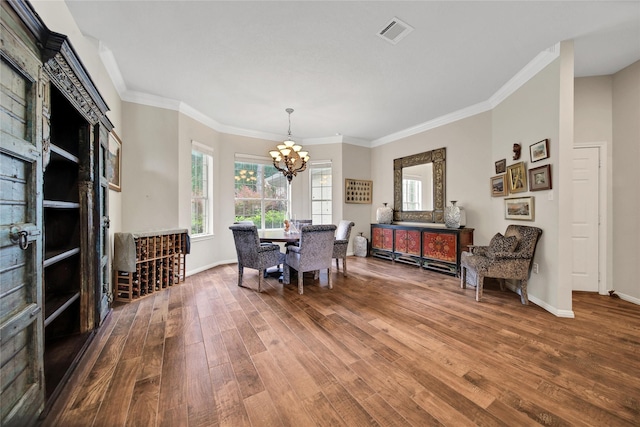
(147, 262)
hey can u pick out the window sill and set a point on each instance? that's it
(202, 237)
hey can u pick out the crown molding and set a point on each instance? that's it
(542, 60)
(481, 107)
(537, 64)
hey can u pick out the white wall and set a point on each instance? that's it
(469, 165)
(606, 112)
(626, 182)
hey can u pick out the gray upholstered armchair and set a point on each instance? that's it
(507, 257)
(252, 254)
(313, 253)
(341, 244)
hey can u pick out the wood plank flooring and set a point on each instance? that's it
(390, 345)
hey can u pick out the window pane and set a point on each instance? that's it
(249, 210)
(248, 180)
(201, 192)
(261, 194)
(197, 216)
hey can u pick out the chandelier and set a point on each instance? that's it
(288, 157)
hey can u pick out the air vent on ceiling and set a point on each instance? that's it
(395, 30)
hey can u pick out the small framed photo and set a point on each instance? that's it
(539, 150)
(501, 166)
(540, 178)
(498, 186)
(517, 178)
(520, 208)
(114, 162)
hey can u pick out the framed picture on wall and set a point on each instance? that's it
(114, 162)
(517, 178)
(498, 186)
(501, 166)
(521, 208)
(540, 178)
(539, 150)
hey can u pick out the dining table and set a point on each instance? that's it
(278, 235)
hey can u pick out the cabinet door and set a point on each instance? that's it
(408, 242)
(104, 296)
(21, 335)
(440, 246)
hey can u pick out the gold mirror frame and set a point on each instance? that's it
(438, 158)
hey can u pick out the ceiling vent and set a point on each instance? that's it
(395, 30)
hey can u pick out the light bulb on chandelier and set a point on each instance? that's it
(288, 157)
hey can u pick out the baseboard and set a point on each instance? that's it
(543, 304)
(628, 298)
(208, 266)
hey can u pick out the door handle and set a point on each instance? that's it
(24, 235)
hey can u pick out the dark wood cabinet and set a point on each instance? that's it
(54, 248)
(433, 248)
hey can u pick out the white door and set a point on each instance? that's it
(584, 230)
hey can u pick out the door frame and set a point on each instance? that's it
(604, 204)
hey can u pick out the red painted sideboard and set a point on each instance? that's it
(433, 248)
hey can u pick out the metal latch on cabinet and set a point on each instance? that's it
(23, 234)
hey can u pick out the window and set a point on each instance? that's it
(321, 202)
(411, 194)
(201, 189)
(261, 192)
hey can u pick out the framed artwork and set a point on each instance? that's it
(358, 191)
(501, 166)
(498, 186)
(517, 178)
(539, 150)
(540, 178)
(521, 208)
(114, 162)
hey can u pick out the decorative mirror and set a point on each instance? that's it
(419, 187)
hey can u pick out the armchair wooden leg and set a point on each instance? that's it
(240, 271)
(524, 297)
(300, 280)
(337, 265)
(260, 275)
(479, 287)
(329, 277)
(463, 278)
(344, 266)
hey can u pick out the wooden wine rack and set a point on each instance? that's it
(145, 263)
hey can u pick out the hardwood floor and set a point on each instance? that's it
(390, 345)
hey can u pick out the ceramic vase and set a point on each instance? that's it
(384, 214)
(455, 216)
(360, 246)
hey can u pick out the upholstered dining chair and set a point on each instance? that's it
(507, 257)
(341, 244)
(313, 253)
(252, 254)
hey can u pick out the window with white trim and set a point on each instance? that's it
(201, 189)
(261, 192)
(321, 194)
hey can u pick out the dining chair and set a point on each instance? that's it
(341, 244)
(252, 254)
(314, 253)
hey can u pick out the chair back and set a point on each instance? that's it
(316, 246)
(247, 243)
(344, 230)
(527, 238)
